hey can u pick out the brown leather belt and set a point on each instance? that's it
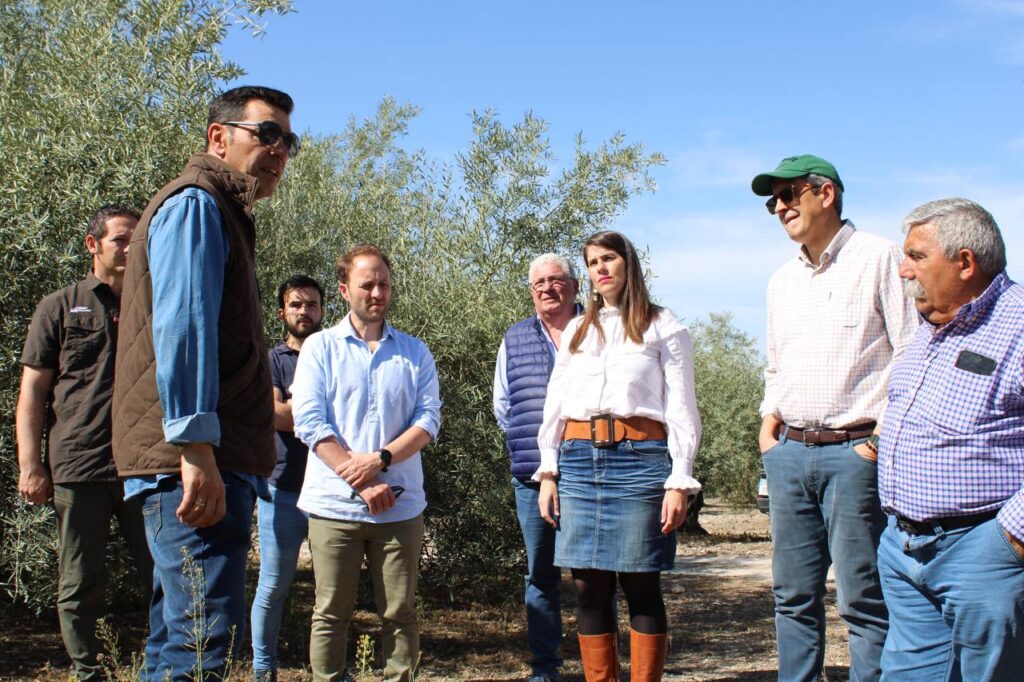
(605, 430)
(827, 436)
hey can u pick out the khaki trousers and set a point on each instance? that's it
(84, 511)
(392, 552)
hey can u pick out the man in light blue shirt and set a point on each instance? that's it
(365, 400)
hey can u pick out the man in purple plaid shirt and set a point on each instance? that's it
(951, 458)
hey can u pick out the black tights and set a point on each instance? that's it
(595, 607)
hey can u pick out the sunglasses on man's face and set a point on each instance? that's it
(788, 195)
(270, 133)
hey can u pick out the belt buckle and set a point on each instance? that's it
(607, 418)
(914, 527)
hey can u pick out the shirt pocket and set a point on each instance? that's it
(851, 308)
(977, 400)
(83, 341)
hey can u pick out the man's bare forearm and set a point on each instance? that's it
(30, 416)
(331, 453)
(408, 443)
(283, 416)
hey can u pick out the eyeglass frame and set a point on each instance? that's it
(544, 282)
(273, 130)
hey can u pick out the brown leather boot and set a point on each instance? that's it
(646, 656)
(600, 654)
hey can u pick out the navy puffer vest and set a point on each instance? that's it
(528, 367)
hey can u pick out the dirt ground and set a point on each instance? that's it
(720, 619)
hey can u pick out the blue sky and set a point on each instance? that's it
(912, 101)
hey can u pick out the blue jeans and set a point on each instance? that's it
(198, 584)
(282, 529)
(957, 605)
(543, 583)
(825, 511)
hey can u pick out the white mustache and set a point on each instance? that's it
(913, 289)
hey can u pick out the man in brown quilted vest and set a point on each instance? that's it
(193, 419)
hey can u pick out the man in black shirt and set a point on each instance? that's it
(282, 526)
(66, 386)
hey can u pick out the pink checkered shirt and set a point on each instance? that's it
(833, 330)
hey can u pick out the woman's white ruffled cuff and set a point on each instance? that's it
(683, 482)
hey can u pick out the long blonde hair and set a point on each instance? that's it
(635, 305)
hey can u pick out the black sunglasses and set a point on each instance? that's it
(788, 195)
(396, 489)
(269, 133)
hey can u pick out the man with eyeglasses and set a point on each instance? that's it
(525, 360)
(366, 400)
(193, 414)
(837, 318)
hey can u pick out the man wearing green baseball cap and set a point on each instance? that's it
(837, 317)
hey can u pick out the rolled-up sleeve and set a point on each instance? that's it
(1011, 516)
(309, 394)
(427, 414)
(187, 250)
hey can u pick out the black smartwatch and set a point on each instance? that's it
(385, 457)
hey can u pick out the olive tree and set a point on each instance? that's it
(728, 374)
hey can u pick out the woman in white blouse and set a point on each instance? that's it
(617, 445)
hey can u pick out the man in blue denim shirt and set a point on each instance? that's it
(193, 411)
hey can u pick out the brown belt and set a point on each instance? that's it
(605, 430)
(827, 436)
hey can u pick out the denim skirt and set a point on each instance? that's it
(610, 503)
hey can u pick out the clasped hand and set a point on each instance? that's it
(360, 468)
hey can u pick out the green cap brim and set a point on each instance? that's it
(762, 184)
(793, 167)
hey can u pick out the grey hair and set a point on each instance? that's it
(962, 224)
(553, 259)
(815, 180)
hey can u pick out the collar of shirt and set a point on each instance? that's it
(830, 252)
(971, 311)
(93, 282)
(283, 349)
(346, 330)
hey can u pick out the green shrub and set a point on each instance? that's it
(729, 382)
